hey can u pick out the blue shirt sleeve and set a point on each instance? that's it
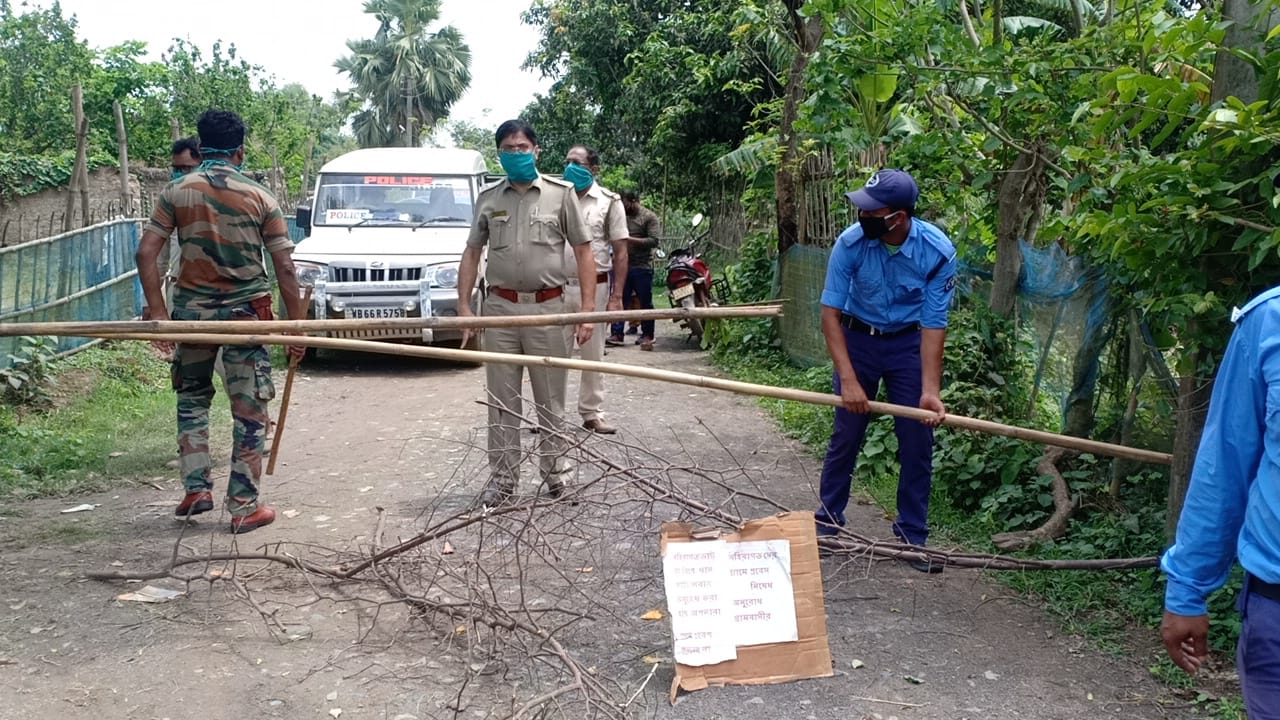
(1226, 465)
(835, 293)
(937, 296)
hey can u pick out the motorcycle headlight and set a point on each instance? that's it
(445, 275)
(309, 273)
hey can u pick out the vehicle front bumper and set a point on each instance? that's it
(387, 299)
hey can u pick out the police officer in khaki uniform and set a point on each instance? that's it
(526, 221)
(607, 222)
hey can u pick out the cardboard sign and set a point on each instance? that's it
(746, 608)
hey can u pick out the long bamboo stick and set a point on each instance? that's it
(115, 327)
(815, 398)
(284, 402)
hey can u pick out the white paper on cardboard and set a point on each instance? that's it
(696, 576)
(763, 603)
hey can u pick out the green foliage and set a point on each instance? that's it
(29, 174)
(406, 76)
(41, 59)
(112, 419)
(668, 86)
(27, 381)
(469, 136)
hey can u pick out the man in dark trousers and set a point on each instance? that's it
(644, 228)
(889, 284)
(1232, 511)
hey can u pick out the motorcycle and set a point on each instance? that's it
(689, 281)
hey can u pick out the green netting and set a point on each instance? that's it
(85, 275)
(804, 271)
(1063, 310)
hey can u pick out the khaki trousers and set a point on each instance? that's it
(591, 386)
(504, 384)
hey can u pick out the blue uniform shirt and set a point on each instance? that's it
(1233, 502)
(892, 291)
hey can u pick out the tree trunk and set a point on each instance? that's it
(1136, 362)
(1020, 191)
(1250, 22)
(997, 23)
(1063, 506)
(1193, 406)
(807, 33)
(175, 130)
(1232, 76)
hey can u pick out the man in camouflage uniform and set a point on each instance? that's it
(607, 222)
(526, 221)
(225, 224)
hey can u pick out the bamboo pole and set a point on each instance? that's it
(126, 198)
(133, 327)
(815, 398)
(73, 188)
(284, 403)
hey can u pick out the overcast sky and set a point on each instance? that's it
(298, 40)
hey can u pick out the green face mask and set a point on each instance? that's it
(579, 176)
(520, 167)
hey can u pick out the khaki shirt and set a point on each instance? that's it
(528, 234)
(606, 221)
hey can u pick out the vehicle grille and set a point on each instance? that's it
(361, 274)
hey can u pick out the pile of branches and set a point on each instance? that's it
(540, 598)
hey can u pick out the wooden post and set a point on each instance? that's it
(126, 197)
(84, 170)
(306, 169)
(77, 109)
(175, 130)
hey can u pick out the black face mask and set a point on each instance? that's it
(874, 228)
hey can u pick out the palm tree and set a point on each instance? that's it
(407, 76)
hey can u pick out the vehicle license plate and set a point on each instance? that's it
(374, 313)
(682, 292)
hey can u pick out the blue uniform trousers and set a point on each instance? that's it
(1258, 653)
(896, 360)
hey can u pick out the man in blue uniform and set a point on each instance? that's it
(889, 284)
(1232, 510)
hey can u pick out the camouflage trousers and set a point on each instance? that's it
(248, 384)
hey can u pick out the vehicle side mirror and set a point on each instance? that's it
(696, 221)
(302, 218)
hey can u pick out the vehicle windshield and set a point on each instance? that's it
(393, 200)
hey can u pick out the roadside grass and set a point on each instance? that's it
(112, 421)
(1115, 611)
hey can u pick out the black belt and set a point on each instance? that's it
(850, 322)
(1264, 588)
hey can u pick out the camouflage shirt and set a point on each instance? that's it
(226, 224)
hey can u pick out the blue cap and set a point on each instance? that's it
(887, 188)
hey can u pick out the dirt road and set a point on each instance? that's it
(252, 640)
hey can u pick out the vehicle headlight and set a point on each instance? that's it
(445, 275)
(310, 273)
